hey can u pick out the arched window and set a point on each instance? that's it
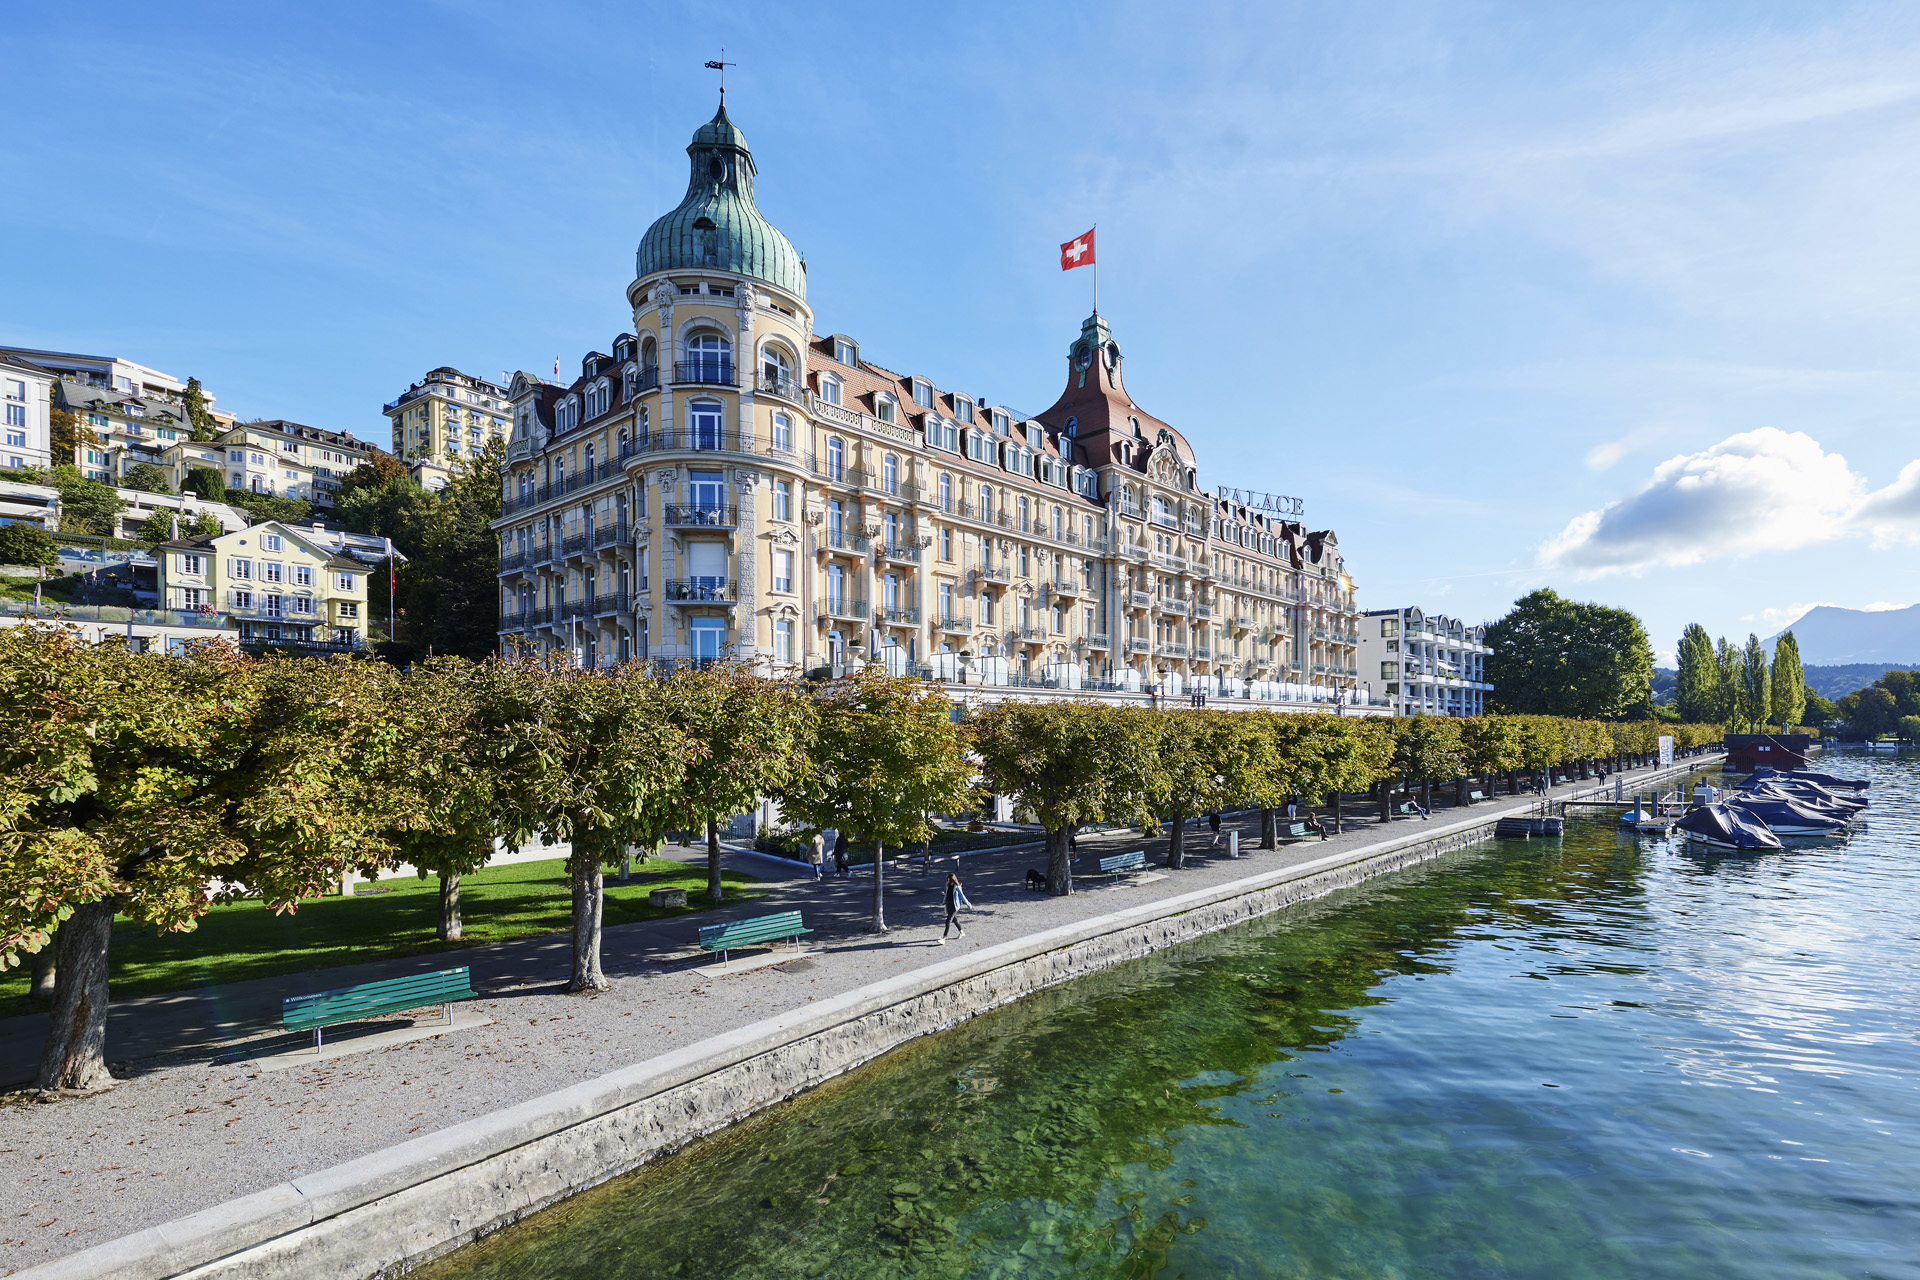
(709, 359)
(629, 384)
(650, 357)
(642, 421)
(588, 470)
(703, 424)
(776, 370)
(890, 473)
(836, 459)
(946, 492)
(830, 389)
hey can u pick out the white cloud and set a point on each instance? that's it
(1892, 514)
(1765, 490)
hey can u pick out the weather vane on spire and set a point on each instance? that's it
(721, 66)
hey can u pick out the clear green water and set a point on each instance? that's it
(1588, 1058)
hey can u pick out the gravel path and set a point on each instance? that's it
(194, 1127)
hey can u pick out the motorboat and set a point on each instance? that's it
(1827, 780)
(1788, 818)
(1722, 826)
(1808, 795)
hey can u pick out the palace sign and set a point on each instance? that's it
(1276, 503)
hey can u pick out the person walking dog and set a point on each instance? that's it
(956, 898)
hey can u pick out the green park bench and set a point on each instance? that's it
(1297, 830)
(1119, 862)
(1475, 797)
(390, 995)
(746, 933)
(1409, 810)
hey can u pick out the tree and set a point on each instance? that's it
(377, 472)
(1696, 692)
(1819, 710)
(147, 478)
(68, 436)
(1070, 763)
(261, 507)
(1491, 745)
(755, 733)
(1789, 682)
(1870, 712)
(163, 526)
(885, 753)
(1726, 667)
(590, 758)
(1754, 698)
(150, 784)
(456, 595)
(1428, 749)
(208, 482)
(86, 506)
(1909, 729)
(200, 421)
(1201, 763)
(1553, 656)
(28, 544)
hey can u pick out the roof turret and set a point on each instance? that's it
(717, 225)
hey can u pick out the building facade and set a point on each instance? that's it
(135, 414)
(277, 584)
(445, 417)
(26, 400)
(1426, 664)
(723, 480)
(274, 456)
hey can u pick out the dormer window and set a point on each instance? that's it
(963, 408)
(923, 394)
(829, 389)
(844, 352)
(1035, 436)
(999, 423)
(1073, 427)
(883, 408)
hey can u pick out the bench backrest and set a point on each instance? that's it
(779, 925)
(1476, 795)
(1298, 828)
(1121, 861)
(324, 1008)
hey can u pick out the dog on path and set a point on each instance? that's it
(1035, 880)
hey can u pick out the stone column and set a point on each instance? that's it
(746, 565)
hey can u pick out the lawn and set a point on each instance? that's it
(394, 917)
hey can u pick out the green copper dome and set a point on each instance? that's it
(717, 224)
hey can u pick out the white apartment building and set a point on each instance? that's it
(26, 400)
(285, 459)
(1428, 664)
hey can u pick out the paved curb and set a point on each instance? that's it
(389, 1211)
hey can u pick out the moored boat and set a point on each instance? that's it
(1827, 780)
(1787, 818)
(1721, 826)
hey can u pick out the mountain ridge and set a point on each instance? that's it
(1830, 636)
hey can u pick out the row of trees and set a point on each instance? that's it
(1890, 705)
(1738, 685)
(151, 784)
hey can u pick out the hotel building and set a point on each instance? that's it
(724, 480)
(446, 416)
(1425, 663)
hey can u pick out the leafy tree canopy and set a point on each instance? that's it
(28, 544)
(1553, 656)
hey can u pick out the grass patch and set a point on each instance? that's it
(242, 940)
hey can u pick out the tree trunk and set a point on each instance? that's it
(879, 887)
(715, 891)
(1459, 793)
(76, 1054)
(1269, 828)
(1426, 794)
(1386, 801)
(450, 925)
(587, 903)
(1336, 813)
(1176, 842)
(1059, 862)
(45, 966)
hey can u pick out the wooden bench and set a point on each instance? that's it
(745, 933)
(1113, 866)
(369, 999)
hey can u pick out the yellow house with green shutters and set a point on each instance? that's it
(280, 584)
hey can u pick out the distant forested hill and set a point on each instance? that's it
(1838, 681)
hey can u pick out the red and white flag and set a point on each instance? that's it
(1077, 252)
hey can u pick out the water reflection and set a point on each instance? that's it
(1586, 1058)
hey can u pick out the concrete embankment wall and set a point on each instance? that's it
(384, 1213)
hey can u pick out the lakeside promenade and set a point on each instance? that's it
(197, 1127)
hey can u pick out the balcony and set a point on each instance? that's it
(574, 544)
(525, 618)
(898, 617)
(841, 540)
(704, 373)
(903, 554)
(1241, 622)
(1139, 646)
(1202, 651)
(609, 535)
(700, 591)
(715, 440)
(1139, 600)
(1033, 633)
(987, 573)
(1097, 641)
(1172, 650)
(1130, 510)
(514, 561)
(784, 387)
(840, 607)
(612, 602)
(1064, 587)
(1165, 521)
(954, 622)
(702, 516)
(1203, 611)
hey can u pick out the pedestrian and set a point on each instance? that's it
(1213, 824)
(955, 899)
(840, 867)
(1293, 809)
(817, 853)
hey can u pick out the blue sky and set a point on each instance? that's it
(1622, 299)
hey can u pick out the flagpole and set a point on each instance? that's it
(1096, 271)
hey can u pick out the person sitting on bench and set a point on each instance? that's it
(1314, 824)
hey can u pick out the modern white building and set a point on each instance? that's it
(1428, 664)
(26, 400)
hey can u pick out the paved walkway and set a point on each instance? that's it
(198, 1124)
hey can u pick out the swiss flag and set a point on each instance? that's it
(1077, 252)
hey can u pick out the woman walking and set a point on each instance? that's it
(840, 854)
(956, 898)
(816, 853)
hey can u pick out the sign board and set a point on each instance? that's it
(1666, 751)
(1275, 503)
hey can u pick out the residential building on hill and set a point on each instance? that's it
(136, 414)
(723, 480)
(286, 459)
(279, 584)
(446, 416)
(1426, 664)
(26, 400)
